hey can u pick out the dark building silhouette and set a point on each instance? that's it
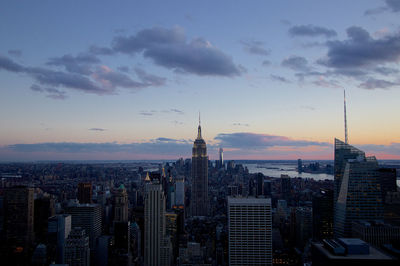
(199, 202)
(19, 216)
(85, 193)
(322, 213)
(388, 180)
(285, 186)
(44, 208)
(260, 184)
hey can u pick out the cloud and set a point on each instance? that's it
(15, 52)
(145, 113)
(51, 92)
(97, 129)
(177, 111)
(96, 50)
(266, 63)
(322, 82)
(255, 47)
(246, 140)
(102, 81)
(311, 31)
(386, 71)
(297, 63)
(393, 5)
(123, 69)
(373, 83)
(279, 78)
(390, 5)
(153, 112)
(361, 50)
(169, 48)
(160, 146)
(81, 64)
(307, 107)
(10, 65)
(240, 125)
(392, 148)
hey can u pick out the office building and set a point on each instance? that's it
(180, 192)
(303, 226)
(19, 216)
(250, 231)
(285, 186)
(154, 225)
(322, 214)
(376, 233)
(348, 251)
(359, 197)
(88, 217)
(59, 227)
(121, 205)
(199, 201)
(77, 251)
(85, 193)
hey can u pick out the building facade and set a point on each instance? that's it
(199, 201)
(250, 231)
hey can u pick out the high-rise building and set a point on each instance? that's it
(88, 217)
(59, 227)
(154, 225)
(221, 158)
(322, 214)
(260, 184)
(285, 186)
(85, 193)
(77, 251)
(303, 226)
(19, 216)
(343, 153)
(299, 166)
(199, 201)
(359, 196)
(180, 192)
(250, 231)
(121, 205)
(388, 177)
(44, 208)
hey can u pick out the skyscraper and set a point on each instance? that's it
(121, 205)
(343, 152)
(85, 192)
(221, 158)
(77, 250)
(88, 217)
(359, 188)
(250, 231)
(154, 225)
(199, 204)
(19, 216)
(322, 214)
(59, 227)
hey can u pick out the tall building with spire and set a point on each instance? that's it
(199, 202)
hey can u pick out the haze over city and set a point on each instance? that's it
(102, 80)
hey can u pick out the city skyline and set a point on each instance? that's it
(126, 81)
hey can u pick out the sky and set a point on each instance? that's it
(112, 80)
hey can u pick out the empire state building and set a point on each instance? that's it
(199, 176)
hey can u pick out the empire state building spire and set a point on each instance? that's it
(199, 129)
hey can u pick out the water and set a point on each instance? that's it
(276, 169)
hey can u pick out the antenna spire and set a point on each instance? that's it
(345, 119)
(199, 128)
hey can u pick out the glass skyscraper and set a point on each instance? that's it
(357, 188)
